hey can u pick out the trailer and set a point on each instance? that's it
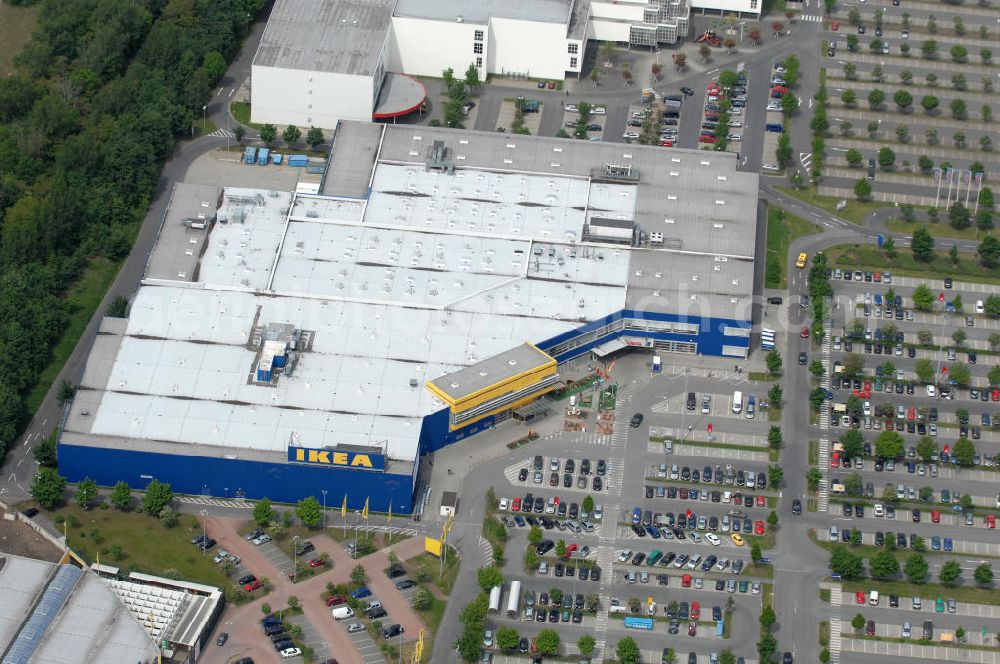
(298, 160)
(276, 159)
(514, 600)
(495, 599)
(767, 339)
(263, 156)
(250, 155)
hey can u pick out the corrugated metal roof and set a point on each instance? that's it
(481, 11)
(32, 633)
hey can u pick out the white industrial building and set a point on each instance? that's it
(321, 61)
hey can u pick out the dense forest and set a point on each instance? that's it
(102, 90)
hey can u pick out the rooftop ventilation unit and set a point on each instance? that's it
(438, 158)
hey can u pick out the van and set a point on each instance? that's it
(834, 533)
(737, 402)
(342, 612)
(873, 598)
(690, 401)
(750, 407)
(871, 169)
(661, 472)
(751, 479)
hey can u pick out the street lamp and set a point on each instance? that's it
(204, 535)
(324, 508)
(295, 555)
(204, 116)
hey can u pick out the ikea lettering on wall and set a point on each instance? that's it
(334, 458)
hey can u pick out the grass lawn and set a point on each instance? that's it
(824, 595)
(146, 545)
(940, 229)
(82, 298)
(855, 211)
(868, 257)
(813, 452)
(432, 563)
(783, 228)
(16, 26)
(241, 111)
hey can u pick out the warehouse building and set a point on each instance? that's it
(285, 344)
(320, 61)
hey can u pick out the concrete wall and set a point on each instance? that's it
(529, 47)
(215, 476)
(608, 31)
(420, 47)
(626, 11)
(745, 6)
(308, 98)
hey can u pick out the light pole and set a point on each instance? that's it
(357, 522)
(295, 556)
(324, 508)
(204, 116)
(204, 535)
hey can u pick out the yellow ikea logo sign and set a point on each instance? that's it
(333, 458)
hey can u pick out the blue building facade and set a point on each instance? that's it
(290, 482)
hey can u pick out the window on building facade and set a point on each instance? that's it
(479, 33)
(574, 49)
(572, 63)
(477, 48)
(479, 63)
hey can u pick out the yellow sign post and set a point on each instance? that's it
(432, 546)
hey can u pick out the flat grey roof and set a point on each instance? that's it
(352, 159)
(481, 11)
(469, 380)
(338, 36)
(693, 285)
(179, 246)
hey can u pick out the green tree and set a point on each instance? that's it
(816, 368)
(774, 437)
(950, 571)
(853, 157)
(269, 134)
(958, 336)
(929, 48)
(314, 137)
(958, 109)
(926, 448)
(755, 553)
(889, 247)
(922, 245)
(535, 534)
(850, 69)
(886, 158)
(916, 568)
(45, 452)
(858, 621)
(902, 132)
(783, 152)
(766, 647)
(86, 492)
(903, 99)
(310, 511)
(169, 518)
(775, 474)
(586, 644)
(263, 513)
(422, 599)
(627, 651)
(358, 575)
(849, 97)
(158, 495)
(813, 477)
(489, 577)
(772, 516)
(875, 98)
(121, 495)
(862, 189)
(291, 135)
(239, 131)
(930, 103)
(214, 65)
(547, 641)
(588, 504)
(560, 548)
(846, 563)
(853, 443)
(983, 574)
(507, 637)
(889, 445)
(989, 252)
(47, 488)
(767, 617)
(964, 450)
(773, 359)
(472, 80)
(883, 566)
(959, 53)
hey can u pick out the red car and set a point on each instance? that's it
(911, 414)
(889, 426)
(760, 501)
(935, 516)
(570, 548)
(695, 611)
(995, 395)
(835, 25)
(692, 629)
(758, 527)
(516, 506)
(336, 600)
(316, 562)
(666, 144)
(877, 277)
(780, 89)
(804, 333)
(860, 598)
(991, 521)
(686, 581)
(706, 139)
(252, 586)
(835, 459)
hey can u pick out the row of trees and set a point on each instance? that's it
(904, 103)
(958, 80)
(291, 135)
(101, 92)
(885, 566)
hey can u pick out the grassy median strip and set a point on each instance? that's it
(824, 595)
(870, 258)
(783, 228)
(926, 590)
(854, 212)
(918, 642)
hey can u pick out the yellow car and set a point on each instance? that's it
(737, 539)
(801, 262)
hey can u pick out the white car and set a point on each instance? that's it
(630, 135)
(220, 556)
(734, 137)
(624, 555)
(879, 510)
(572, 108)
(503, 504)
(773, 107)
(867, 408)
(713, 539)
(263, 539)
(694, 537)
(355, 627)
(487, 639)
(598, 110)
(288, 653)
(735, 123)
(931, 392)
(980, 307)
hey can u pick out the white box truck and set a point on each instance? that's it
(342, 612)
(737, 402)
(495, 599)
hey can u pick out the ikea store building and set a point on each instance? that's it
(283, 343)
